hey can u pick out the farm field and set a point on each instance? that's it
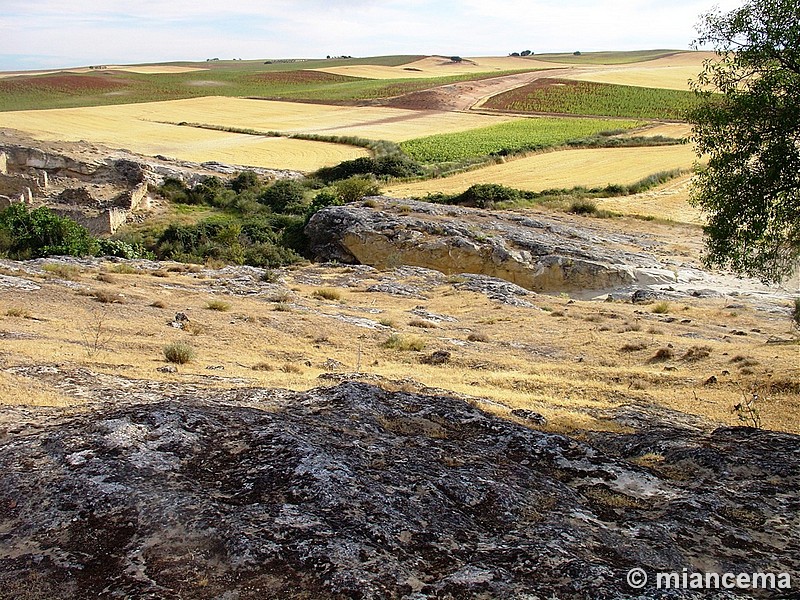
(561, 169)
(558, 95)
(669, 72)
(522, 134)
(148, 129)
(120, 129)
(608, 57)
(438, 66)
(296, 81)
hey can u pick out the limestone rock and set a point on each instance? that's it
(539, 254)
(356, 492)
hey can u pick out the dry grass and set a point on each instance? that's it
(525, 358)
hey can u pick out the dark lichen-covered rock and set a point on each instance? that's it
(356, 492)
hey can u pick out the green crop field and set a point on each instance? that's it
(508, 138)
(283, 80)
(588, 98)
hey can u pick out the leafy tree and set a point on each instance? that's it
(750, 132)
(40, 232)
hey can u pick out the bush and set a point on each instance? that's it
(40, 232)
(285, 196)
(218, 305)
(353, 189)
(179, 353)
(246, 180)
(583, 206)
(486, 195)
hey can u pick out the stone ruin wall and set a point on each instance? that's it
(24, 177)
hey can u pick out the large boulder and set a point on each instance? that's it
(356, 492)
(539, 254)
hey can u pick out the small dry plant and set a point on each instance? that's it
(748, 409)
(97, 336)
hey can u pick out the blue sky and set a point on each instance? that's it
(55, 33)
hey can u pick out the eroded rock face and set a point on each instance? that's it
(356, 492)
(538, 254)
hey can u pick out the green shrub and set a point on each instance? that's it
(40, 232)
(179, 353)
(486, 195)
(285, 196)
(355, 188)
(583, 206)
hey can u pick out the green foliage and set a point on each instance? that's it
(40, 232)
(522, 135)
(750, 188)
(486, 195)
(246, 180)
(395, 164)
(285, 196)
(355, 188)
(261, 241)
(566, 96)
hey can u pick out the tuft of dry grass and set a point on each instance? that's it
(661, 308)
(328, 294)
(106, 297)
(20, 313)
(218, 305)
(179, 353)
(404, 343)
(422, 324)
(68, 272)
(662, 355)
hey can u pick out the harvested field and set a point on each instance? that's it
(438, 66)
(141, 69)
(670, 72)
(117, 128)
(143, 125)
(562, 169)
(669, 201)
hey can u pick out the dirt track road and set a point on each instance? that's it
(465, 95)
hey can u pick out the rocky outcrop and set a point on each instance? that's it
(540, 254)
(356, 492)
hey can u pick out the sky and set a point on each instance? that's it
(39, 34)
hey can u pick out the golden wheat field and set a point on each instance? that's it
(562, 169)
(149, 128)
(669, 72)
(113, 126)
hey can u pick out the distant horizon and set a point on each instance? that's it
(56, 35)
(319, 58)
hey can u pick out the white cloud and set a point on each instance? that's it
(95, 31)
